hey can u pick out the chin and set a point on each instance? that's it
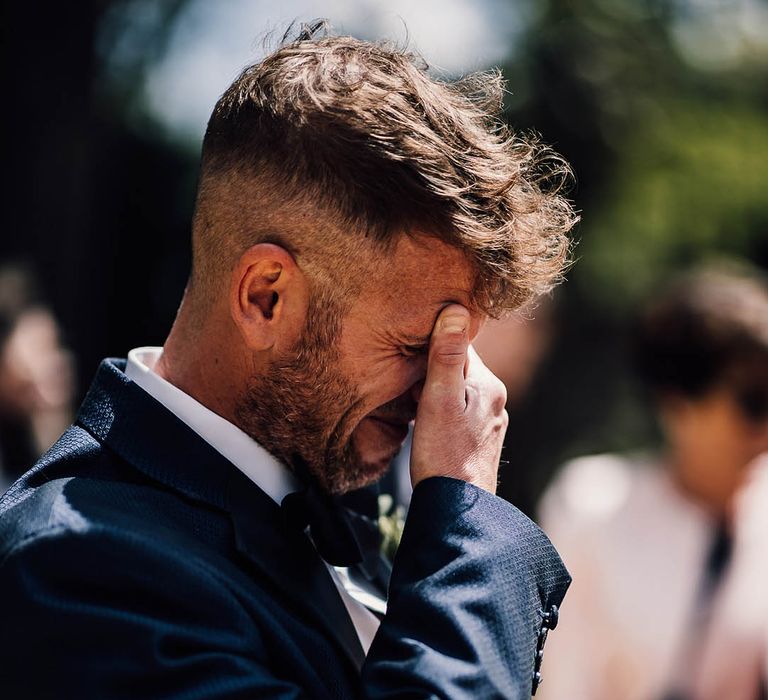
(354, 474)
(375, 469)
(369, 474)
(366, 457)
(370, 467)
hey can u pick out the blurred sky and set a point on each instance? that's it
(210, 42)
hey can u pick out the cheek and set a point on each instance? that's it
(757, 436)
(390, 378)
(732, 434)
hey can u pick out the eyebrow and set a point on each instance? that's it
(418, 339)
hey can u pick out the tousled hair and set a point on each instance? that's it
(335, 134)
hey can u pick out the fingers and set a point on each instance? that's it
(461, 421)
(448, 346)
(484, 384)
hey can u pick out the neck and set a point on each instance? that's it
(197, 358)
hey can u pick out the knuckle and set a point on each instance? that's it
(450, 355)
(440, 400)
(450, 359)
(497, 390)
(450, 347)
(499, 397)
(500, 424)
(490, 390)
(498, 386)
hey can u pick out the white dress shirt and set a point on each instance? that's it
(636, 547)
(270, 475)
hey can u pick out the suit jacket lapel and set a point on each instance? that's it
(144, 433)
(290, 560)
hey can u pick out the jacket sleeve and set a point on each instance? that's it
(90, 614)
(472, 582)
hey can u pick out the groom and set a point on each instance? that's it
(356, 222)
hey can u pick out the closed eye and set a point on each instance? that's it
(414, 350)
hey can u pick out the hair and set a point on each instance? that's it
(346, 141)
(708, 329)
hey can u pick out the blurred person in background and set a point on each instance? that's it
(36, 375)
(669, 550)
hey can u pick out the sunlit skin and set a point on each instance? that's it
(385, 339)
(380, 362)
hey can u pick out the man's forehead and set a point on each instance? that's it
(426, 267)
(420, 278)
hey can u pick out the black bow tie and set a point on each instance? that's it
(341, 537)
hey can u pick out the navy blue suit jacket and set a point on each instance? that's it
(137, 562)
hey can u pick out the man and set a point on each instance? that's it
(679, 531)
(355, 223)
(36, 375)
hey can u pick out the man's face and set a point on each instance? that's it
(342, 400)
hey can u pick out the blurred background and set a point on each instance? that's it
(660, 106)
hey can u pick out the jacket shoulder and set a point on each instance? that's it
(35, 505)
(80, 487)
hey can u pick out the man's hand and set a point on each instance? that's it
(461, 420)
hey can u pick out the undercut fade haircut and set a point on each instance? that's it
(358, 135)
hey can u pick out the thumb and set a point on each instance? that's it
(444, 385)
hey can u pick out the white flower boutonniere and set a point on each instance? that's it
(391, 524)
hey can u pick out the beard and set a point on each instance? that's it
(296, 409)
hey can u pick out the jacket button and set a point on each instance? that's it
(542, 639)
(550, 618)
(536, 682)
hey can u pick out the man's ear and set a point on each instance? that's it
(268, 297)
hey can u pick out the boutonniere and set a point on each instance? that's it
(391, 524)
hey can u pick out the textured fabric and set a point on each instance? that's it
(475, 573)
(267, 472)
(136, 562)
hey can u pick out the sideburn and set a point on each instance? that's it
(295, 408)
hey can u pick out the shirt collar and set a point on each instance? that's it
(269, 474)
